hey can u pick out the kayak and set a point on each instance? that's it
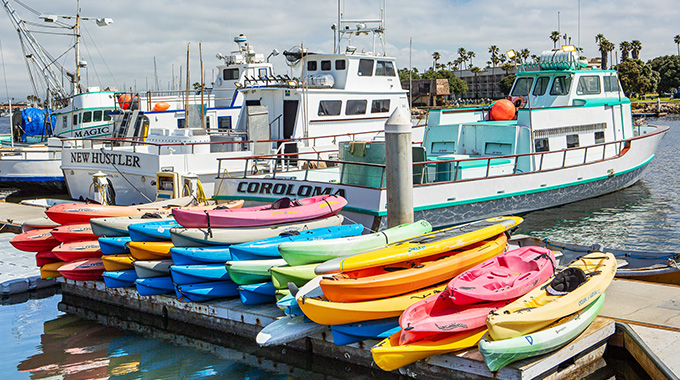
(74, 232)
(118, 262)
(197, 237)
(252, 271)
(157, 230)
(423, 245)
(360, 331)
(154, 286)
(152, 268)
(45, 257)
(118, 226)
(499, 353)
(119, 279)
(257, 294)
(150, 250)
(507, 276)
(298, 275)
(269, 248)
(437, 316)
(309, 252)
(556, 298)
(280, 293)
(289, 306)
(194, 274)
(51, 270)
(408, 276)
(83, 270)
(114, 245)
(38, 223)
(206, 291)
(390, 355)
(283, 210)
(200, 255)
(36, 240)
(78, 250)
(286, 329)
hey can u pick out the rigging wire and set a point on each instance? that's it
(115, 81)
(4, 74)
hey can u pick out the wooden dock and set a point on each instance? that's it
(12, 215)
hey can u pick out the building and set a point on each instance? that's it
(484, 84)
(427, 92)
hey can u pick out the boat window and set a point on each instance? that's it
(561, 85)
(325, 65)
(230, 74)
(180, 123)
(572, 141)
(262, 72)
(541, 145)
(75, 119)
(611, 83)
(380, 105)
(541, 86)
(107, 116)
(87, 117)
(522, 86)
(329, 107)
(385, 68)
(365, 67)
(355, 107)
(223, 123)
(340, 64)
(253, 102)
(97, 116)
(599, 137)
(64, 121)
(311, 65)
(588, 85)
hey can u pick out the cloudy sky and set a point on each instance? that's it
(122, 54)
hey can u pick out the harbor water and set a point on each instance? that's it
(40, 342)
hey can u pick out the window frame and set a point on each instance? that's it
(356, 107)
(340, 64)
(543, 148)
(323, 107)
(381, 104)
(516, 85)
(231, 71)
(545, 88)
(573, 144)
(558, 79)
(582, 87)
(312, 65)
(364, 70)
(326, 65)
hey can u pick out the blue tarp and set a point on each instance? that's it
(33, 122)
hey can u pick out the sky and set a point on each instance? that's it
(122, 54)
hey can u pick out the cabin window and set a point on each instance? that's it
(64, 122)
(380, 105)
(230, 74)
(385, 68)
(355, 107)
(87, 117)
(75, 119)
(522, 86)
(340, 64)
(223, 123)
(611, 83)
(365, 67)
(561, 85)
(253, 102)
(541, 145)
(330, 107)
(325, 65)
(180, 123)
(599, 137)
(107, 117)
(588, 85)
(541, 86)
(572, 141)
(97, 115)
(311, 65)
(262, 72)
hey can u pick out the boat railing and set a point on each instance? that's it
(176, 99)
(27, 153)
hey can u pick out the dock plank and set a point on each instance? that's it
(12, 215)
(646, 303)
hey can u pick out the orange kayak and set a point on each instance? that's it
(150, 250)
(78, 250)
(118, 262)
(408, 276)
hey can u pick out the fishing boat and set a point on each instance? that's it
(572, 138)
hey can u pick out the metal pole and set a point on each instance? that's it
(399, 167)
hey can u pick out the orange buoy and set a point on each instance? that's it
(502, 110)
(125, 100)
(161, 106)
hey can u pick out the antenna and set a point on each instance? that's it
(357, 27)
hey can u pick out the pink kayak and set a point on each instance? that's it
(283, 210)
(506, 276)
(83, 270)
(437, 316)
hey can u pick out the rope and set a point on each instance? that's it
(208, 217)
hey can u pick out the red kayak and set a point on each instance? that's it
(35, 240)
(284, 210)
(78, 250)
(74, 232)
(45, 257)
(83, 270)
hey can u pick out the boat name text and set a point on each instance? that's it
(105, 158)
(287, 189)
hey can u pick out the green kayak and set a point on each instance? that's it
(251, 271)
(318, 251)
(299, 275)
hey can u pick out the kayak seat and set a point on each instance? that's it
(282, 203)
(566, 281)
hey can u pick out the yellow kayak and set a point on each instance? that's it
(325, 312)
(553, 300)
(422, 246)
(118, 262)
(50, 270)
(389, 355)
(150, 250)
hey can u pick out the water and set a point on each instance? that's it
(40, 342)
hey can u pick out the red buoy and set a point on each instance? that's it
(161, 106)
(125, 100)
(502, 109)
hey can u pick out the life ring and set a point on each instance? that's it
(518, 101)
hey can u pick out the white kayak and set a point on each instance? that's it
(118, 226)
(152, 268)
(287, 329)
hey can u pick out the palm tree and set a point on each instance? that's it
(462, 53)
(635, 47)
(535, 58)
(625, 50)
(525, 54)
(507, 67)
(476, 70)
(605, 47)
(676, 39)
(435, 57)
(555, 36)
(471, 54)
(449, 64)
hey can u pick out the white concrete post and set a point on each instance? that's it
(399, 167)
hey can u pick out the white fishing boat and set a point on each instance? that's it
(573, 138)
(343, 96)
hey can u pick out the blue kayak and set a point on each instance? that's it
(114, 245)
(269, 248)
(257, 294)
(194, 274)
(200, 255)
(359, 331)
(154, 285)
(289, 306)
(158, 230)
(119, 279)
(206, 291)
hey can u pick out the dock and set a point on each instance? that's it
(18, 272)
(13, 215)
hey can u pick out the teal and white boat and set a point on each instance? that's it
(573, 138)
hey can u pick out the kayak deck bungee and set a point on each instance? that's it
(421, 246)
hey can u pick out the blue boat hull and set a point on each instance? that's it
(158, 230)
(119, 279)
(257, 294)
(114, 245)
(206, 291)
(359, 331)
(154, 286)
(200, 255)
(289, 306)
(194, 274)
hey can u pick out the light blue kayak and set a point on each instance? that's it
(154, 286)
(119, 279)
(157, 230)
(194, 274)
(360, 331)
(200, 255)
(257, 294)
(206, 291)
(114, 245)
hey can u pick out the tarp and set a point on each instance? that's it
(33, 122)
